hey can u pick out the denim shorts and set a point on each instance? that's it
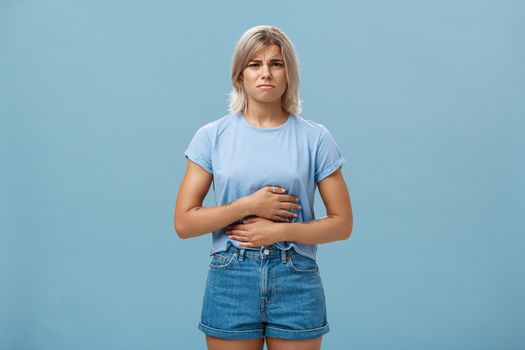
(266, 292)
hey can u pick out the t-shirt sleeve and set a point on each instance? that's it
(328, 157)
(199, 149)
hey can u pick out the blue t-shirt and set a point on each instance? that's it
(243, 158)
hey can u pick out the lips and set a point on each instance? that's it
(265, 85)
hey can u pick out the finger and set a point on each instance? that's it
(236, 233)
(239, 227)
(275, 189)
(252, 220)
(288, 198)
(280, 219)
(238, 238)
(246, 244)
(288, 205)
(287, 214)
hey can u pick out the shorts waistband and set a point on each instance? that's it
(264, 252)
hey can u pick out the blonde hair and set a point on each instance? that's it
(253, 40)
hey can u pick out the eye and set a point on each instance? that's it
(253, 64)
(278, 64)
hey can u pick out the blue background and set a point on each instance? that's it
(99, 99)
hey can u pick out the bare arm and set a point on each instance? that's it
(191, 218)
(338, 223)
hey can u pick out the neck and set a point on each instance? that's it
(265, 115)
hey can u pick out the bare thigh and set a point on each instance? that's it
(215, 343)
(293, 344)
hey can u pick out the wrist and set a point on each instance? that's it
(245, 203)
(280, 231)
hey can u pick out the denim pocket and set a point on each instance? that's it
(222, 260)
(302, 264)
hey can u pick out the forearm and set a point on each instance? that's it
(201, 220)
(327, 229)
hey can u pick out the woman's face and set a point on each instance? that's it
(266, 68)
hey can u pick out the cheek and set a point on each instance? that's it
(282, 77)
(249, 75)
(284, 81)
(249, 82)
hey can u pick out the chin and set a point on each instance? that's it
(267, 100)
(270, 98)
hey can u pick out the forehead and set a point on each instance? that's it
(268, 52)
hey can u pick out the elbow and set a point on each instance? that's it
(182, 223)
(348, 227)
(180, 229)
(348, 232)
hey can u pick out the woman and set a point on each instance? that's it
(265, 162)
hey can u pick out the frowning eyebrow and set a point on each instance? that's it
(273, 59)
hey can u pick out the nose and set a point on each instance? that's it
(266, 73)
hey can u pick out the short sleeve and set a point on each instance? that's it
(199, 149)
(328, 158)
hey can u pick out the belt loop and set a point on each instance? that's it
(241, 254)
(283, 256)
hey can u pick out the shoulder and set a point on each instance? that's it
(218, 122)
(312, 129)
(215, 127)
